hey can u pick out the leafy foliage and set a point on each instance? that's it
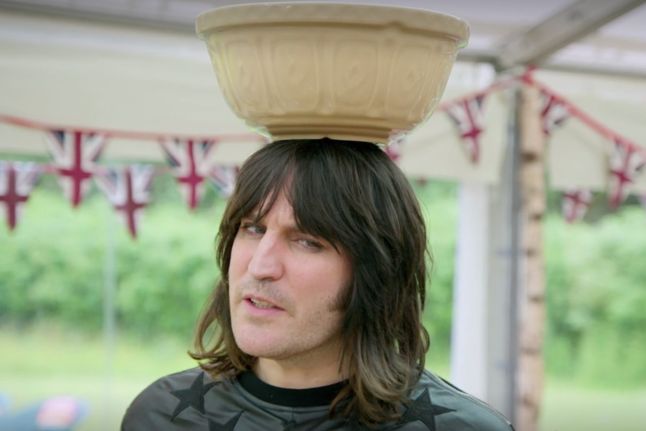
(596, 284)
(52, 268)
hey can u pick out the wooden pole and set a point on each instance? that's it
(531, 318)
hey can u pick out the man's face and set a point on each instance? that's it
(284, 289)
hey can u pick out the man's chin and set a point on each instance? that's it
(258, 345)
(264, 352)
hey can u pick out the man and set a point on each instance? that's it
(316, 323)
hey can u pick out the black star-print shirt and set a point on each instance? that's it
(191, 400)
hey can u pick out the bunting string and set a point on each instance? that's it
(76, 152)
(126, 134)
(625, 158)
(553, 112)
(575, 111)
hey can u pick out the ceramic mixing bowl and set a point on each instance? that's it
(309, 70)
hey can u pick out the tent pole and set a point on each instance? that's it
(109, 312)
(470, 328)
(484, 344)
(531, 273)
(503, 279)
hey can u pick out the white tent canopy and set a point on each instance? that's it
(597, 34)
(138, 66)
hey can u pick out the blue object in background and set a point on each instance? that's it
(61, 413)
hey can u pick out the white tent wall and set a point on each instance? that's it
(90, 75)
(578, 155)
(93, 75)
(96, 75)
(434, 149)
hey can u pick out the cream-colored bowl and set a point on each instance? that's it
(309, 70)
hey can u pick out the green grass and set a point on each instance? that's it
(48, 361)
(570, 408)
(45, 362)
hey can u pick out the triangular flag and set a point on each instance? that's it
(395, 146)
(128, 189)
(575, 204)
(75, 153)
(17, 179)
(553, 112)
(625, 162)
(190, 164)
(223, 178)
(467, 115)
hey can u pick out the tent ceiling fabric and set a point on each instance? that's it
(568, 25)
(615, 43)
(112, 72)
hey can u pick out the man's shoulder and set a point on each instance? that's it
(169, 383)
(178, 378)
(435, 400)
(159, 403)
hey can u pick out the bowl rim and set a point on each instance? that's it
(316, 12)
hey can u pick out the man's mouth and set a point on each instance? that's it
(261, 304)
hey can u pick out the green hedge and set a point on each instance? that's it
(53, 265)
(596, 281)
(52, 268)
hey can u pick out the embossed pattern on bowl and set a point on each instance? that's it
(308, 70)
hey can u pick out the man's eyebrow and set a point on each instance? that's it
(294, 228)
(253, 216)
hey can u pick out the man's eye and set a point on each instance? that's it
(251, 228)
(310, 244)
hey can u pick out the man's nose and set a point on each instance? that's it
(266, 263)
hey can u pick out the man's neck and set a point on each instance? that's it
(288, 375)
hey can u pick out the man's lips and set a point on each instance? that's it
(261, 302)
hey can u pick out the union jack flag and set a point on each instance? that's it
(395, 146)
(626, 161)
(75, 153)
(467, 115)
(190, 164)
(553, 112)
(17, 179)
(128, 189)
(421, 181)
(575, 204)
(223, 178)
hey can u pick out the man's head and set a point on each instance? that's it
(286, 287)
(366, 278)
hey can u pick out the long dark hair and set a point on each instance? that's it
(355, 197)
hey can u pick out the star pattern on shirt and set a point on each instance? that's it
(193, 396)
(289, 425)
(423, 410)
(228, 426)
